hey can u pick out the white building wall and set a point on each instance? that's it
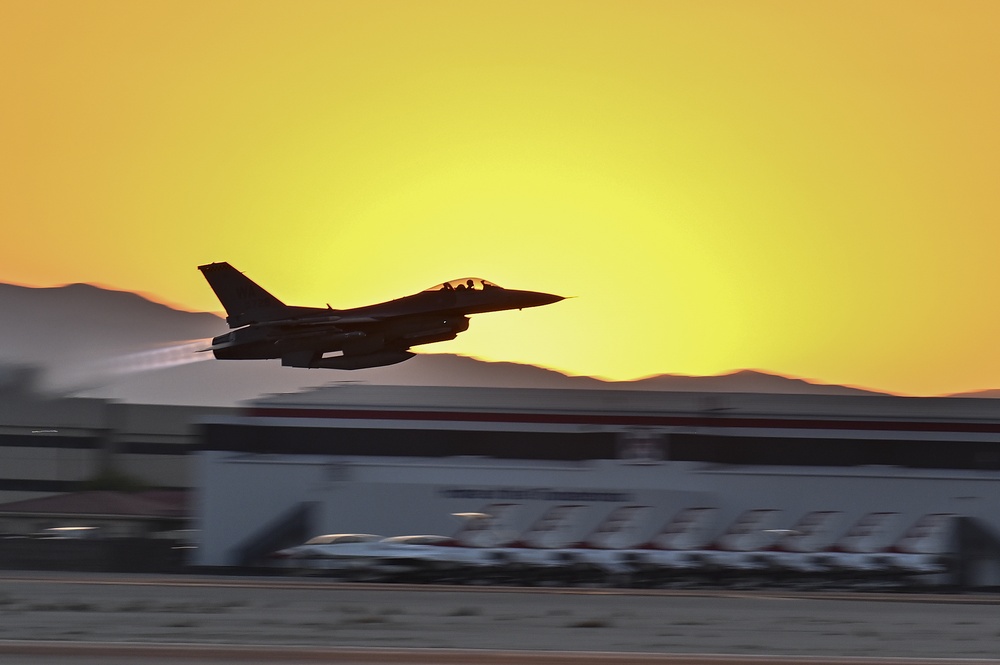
(156, 470)
(238, 494)
(396, 496)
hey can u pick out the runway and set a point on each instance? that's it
(100, 654)
(82, 619)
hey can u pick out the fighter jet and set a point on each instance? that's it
(372, 336)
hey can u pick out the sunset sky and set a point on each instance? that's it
(804, 187)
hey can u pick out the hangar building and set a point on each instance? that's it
(404, 460)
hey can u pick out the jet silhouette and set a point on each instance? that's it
(371, 336)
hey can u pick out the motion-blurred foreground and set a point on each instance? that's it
(532, 486)
(746, 555)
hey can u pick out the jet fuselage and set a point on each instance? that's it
(368, 336)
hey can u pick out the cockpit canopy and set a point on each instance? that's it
(473, 283)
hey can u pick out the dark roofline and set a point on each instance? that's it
(719, 420)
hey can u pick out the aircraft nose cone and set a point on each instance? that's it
(537, 299)
(549, 298)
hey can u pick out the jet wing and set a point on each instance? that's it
(327, 321)
(344, 320)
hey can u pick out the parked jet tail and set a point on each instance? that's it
(617, 529)
(929, 535)
(245, 300)
(490, 527)
(550, 530)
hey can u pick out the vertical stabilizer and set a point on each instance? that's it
(488, 528)
(550, 530)
(688, 529)
(929, 535)
(869, 534)
(245, 301)
(810, 534)
(749, 531)
(618, 529)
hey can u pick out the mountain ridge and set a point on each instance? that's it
(98, 342)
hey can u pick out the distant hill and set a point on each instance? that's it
(982, 394)
(80, 321)
(102, 343)
(73, 331)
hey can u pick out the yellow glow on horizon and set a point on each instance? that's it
(802, 188)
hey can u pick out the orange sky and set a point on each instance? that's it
(809, 188)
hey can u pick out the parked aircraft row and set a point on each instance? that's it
(750, 550)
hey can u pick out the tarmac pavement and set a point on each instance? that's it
(280, 613)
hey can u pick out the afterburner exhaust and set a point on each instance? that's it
(102, 372)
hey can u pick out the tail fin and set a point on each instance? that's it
(549, 530)
(810, 534)
(868, 534)
(929, 535)
(617, 529)
(748, 532)
(488, 528)
(687, 530)
(245, 301)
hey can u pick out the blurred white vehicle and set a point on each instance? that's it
(599, 556)
(792, 557)
(335, 552)
(409, 556)
(863, 552)
(540, 548)
(674, 552)
(736, 552)
(858, 553)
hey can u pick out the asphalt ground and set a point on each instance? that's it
(59, 618)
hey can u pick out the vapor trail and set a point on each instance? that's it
(172, 355)
(101, 372)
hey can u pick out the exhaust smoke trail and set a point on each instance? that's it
(172, 355)
(101, 372)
